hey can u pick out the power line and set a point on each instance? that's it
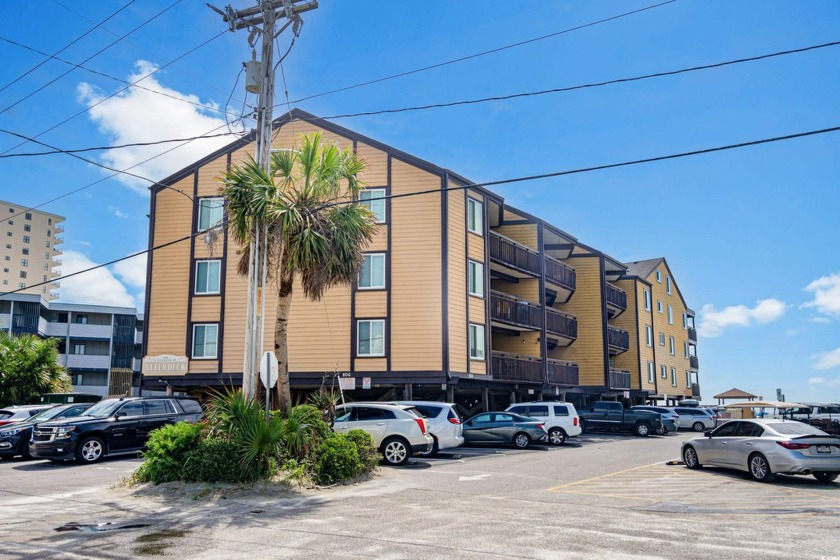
(479, 54)
(68, 45)
(97, 53)
(584, 86)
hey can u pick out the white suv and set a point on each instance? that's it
(444, 423)
(396, 430)
(560, 418)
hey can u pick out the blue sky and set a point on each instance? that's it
(745, 232)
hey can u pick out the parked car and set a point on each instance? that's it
(15, 414)
(765, 448)
(110, 427)
(397, 430)
(695, 418)
(670, 419)
(444, 423)
(561, 419)
(504, 427)
(14, 438)
(611, 416)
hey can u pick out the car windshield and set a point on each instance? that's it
(796, 429)
(46, 414)
(102, 409)
(5, 414)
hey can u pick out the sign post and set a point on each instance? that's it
(268, 375)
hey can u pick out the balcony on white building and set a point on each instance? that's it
(88, 361)
(56, 329)
(5, 321)
(84, 330)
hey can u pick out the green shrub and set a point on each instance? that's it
(259, 444)
(336, 460)
(166, 452)
(302, 431)
(368, 453)
(216, 460)
(314, 418)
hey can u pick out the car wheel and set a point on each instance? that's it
(557, 436)
(759, 468)
(825, 476)
(24, 451)
(434, 450)
(521, 440)
(395, 451)
(582, 427)
(90, 450)
(661, 431)
(642, 430)
(698, 427)
(690, 458)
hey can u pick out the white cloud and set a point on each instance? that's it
(117, 212)
(95, 287)
(84, 243)
(820, 320)
(826, 292)
(823, 382)
(137, 115)
(826, 360)
(132, 271)
(816, 380)
(713, 322)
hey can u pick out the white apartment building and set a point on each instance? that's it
(30, 242)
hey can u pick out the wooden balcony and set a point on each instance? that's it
(560, 324)
(694, 363)
(619, 379)
(562, 373)
(515, 312)
(616, 300)
(618, 340)
(516, 367)
(695, 390)
(515, 258)
(560, 274)
(692, 334)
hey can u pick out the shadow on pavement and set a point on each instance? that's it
(41, 465)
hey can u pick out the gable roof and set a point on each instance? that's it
(642, 269)
(735, 394)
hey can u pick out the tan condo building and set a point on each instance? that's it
(30, 252)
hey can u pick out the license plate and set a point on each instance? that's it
(823, 449)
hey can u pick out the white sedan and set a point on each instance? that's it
(765, 448)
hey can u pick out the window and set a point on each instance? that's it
(49, 221)
(8, 234)
(659, 306)
(207, 274)
(28, 216)
(79, 349)
(46, 266)
(82, 319)
(7, 257)
(560, 410)
(23, 274)
(475, 216)
(476, 342)
(204, 341)
(375, 206)
(210, 212)
(11, 222)
(476, 279)
(8, 245)
(5, 282)
(21, 285)
(48, 243)
(26, 239)
(540, 410)
(659, 276)
(45, 277)
(159, 407)
(671, 348)
(647, 300)
(664, 371)
(670, 315)
(371, 338)
(685, 321)
(27, 227)
(24, 262)
(673, 377)
(132, 409)
(651, 372)
(25, 250)
(668, 284)
(649, 335)
(5, 270)
(372, 275)
(688, 379)
(662, 339)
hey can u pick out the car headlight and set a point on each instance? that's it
(11, 432)
(64, 431)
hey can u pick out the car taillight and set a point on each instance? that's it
(422, 423)
(576, 420)
(791, 445)
(455, 421)
(541, 426)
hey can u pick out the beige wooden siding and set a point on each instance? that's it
(204, 366)
(526, 288)
(210, 175)
(371, 364)
(477, 310)
(629, 321)
(588, 349)
(236, 301)
(170, 288)
(376, 170)
(663, 355)
(371, 303)
(512, 214)
(319, 331)
(457, 278)
(525, 234)
(416, 322)
(527, 343)
(646, 352)
(206, 309)
(379, 243)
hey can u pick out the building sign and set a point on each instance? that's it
(365, 382)
(165, 364)
(347, 383)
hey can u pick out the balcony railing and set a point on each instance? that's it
(692, 334)
(619, 379)
(511, 254)
(562, 373)
(516, 367)
(86, 330)
(563, 324)
(695, 389)
(618, 338)
(694, 362)
(512, 310)
(559, 273)
(616, 297)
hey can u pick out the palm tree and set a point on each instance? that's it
(29, 366)
(310, 237)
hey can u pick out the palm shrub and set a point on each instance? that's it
(29, 366)
(166, 452)
(325, 400)
(259, 442)
(302, 431)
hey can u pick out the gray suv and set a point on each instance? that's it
(695, 418)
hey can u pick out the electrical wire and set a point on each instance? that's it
(585, 86)
(94, 55)
(482, 53)
(241, 114)
(68, 45)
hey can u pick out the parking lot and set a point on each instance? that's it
(600, 496)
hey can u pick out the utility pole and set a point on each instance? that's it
(261, 20)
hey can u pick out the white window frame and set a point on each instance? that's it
(477, 336)
(211, 205)
(659, 307)
(475, 276)
(670, 315)
(688, 379)
(648, 300)
(685, 347)
(204, 355)
(662, 339)
(475, 220)
(659, 276)
(78, 349)
(663, 369)
(218, 279)
(649, 335)
(672, 346)
(651, 373)
(372, 353)
(685, 321)
(369, 204)
(673, 377)
(668, 285)
(373, 285)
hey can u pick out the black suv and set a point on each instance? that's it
(110, 427)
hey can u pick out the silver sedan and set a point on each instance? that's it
(765, 448)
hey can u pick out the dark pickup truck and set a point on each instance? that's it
(612, 416)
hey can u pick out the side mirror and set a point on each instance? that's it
(707, 433)
(468, 423)
(121, 414)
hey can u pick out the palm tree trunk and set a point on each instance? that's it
(282, 391)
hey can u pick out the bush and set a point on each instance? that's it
(368, 453)
(216, 460)
(166, 452)
(336, 460)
